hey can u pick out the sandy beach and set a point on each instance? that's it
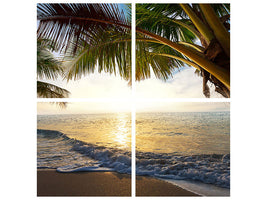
(148, 186)
(52, 183)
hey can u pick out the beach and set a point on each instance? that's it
(77, 158)
(148, 186)
(52, 183)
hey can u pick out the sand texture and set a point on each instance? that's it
(147, 186)
(52, 183)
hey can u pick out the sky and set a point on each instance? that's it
(183, 84)
(161, 106)
(97, 85)
(45, 108)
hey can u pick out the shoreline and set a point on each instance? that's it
(202, 189)
(150, 186)
(53, 183)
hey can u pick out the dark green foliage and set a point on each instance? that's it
(48, 68)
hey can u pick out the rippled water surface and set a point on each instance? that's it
(109, 130)
(183, 133)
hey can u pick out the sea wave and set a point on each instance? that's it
(102, 158)
(213, 169)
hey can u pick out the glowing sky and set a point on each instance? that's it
(159, 106)
(96, 85)
(183, 84)
(44, 108)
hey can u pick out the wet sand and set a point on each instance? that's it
(148, 186)
(52, 183)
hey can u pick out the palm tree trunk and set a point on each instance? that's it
(179, 58)
(185, 44)
(220, 32)
(220, 73)
(195, 46)
(202, 28)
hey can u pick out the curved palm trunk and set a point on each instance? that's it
(202, 28)
(195, 46)
(178, 58)
(220, 32)
(220, 73)
(185, 44)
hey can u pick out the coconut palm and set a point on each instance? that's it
(197, 35)
(97, 36)
(48, 68)
(167, 36)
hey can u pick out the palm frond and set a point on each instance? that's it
(221, 9)
(65, 23)
(161, 19)
(47, 66)
(47, 90)
(150, 56)
(110, 52)
(173, 11)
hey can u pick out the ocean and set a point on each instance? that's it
(95, 142)
(189, 149)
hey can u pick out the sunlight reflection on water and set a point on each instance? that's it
(110, 130)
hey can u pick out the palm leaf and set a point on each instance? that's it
(152, 57)
(173, 11)
(110, 52)
(47, 90)
(47, 66)
(65, 23)
(97, 36)
(161, 19)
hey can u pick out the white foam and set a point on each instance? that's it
(200, 188)
(71, 168)
(80, 156)
(211, 169)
